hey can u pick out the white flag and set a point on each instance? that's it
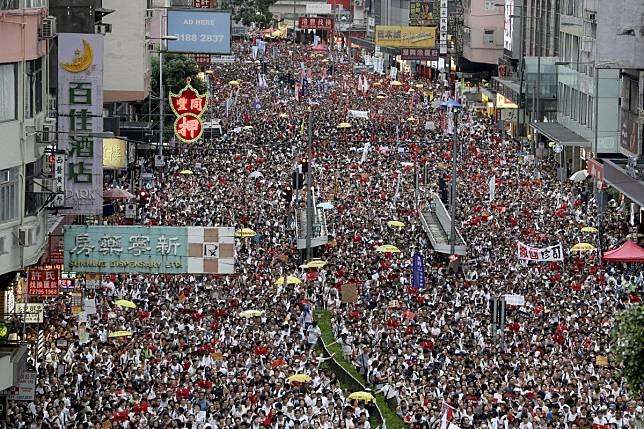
(492, 186)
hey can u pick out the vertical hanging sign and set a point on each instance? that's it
(443, 28)
(418, 271)
(188, 105)
(80, 117)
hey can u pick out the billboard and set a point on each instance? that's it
(199, 31)
(423, 13)
(144, 249)
(629, 134)
(114, 154)
(508, 25)
(395, 36)
(80, 114)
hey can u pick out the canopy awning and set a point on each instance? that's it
(627, 252)
(560, 133)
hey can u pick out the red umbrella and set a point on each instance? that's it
(427, 345)
(393, 323)
(261, 350)
(408, 314)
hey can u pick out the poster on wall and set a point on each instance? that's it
(423, 13)
(80, 116)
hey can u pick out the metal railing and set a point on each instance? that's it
(349, 380)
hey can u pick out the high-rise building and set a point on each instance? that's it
(526, 72)
(25, 31)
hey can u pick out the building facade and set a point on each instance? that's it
(127, 58)
(526, 70)
(23, 117)
(482, 31)
(25, 31)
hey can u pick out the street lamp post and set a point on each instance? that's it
(161, 38)
(453, 106)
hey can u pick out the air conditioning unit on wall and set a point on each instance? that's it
(48, 28)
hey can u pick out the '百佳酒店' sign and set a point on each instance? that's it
(80, 117)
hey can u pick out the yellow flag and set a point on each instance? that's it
(302, 127)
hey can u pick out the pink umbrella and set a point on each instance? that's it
(117, 194)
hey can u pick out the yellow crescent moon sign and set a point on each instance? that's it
(81, 60)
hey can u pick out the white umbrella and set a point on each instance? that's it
(255, 174)
(579, 176)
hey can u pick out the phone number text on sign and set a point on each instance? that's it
(188, 37)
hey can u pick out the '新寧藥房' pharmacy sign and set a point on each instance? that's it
(149, 249)
(80, 117)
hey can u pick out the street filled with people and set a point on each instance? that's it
(243, 351)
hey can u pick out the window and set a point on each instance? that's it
(33, 88)
(591, 111)
(490, 4)
(9, 195)
(574, 114)
(8, 91)
(488, 38)
(583, 109)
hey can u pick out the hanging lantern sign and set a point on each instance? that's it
(188, 105)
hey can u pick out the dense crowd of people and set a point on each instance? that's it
(194, 361)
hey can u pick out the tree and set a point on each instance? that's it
(628, 338)
(176, 69)
(250, 11)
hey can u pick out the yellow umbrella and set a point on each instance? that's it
(387, 248)
(583, 247)
(187, 172)
(420, 85)
(362, 396)
(233, 82)
(247, 314)
(117, 334)
(411, 119)
(396, 224)
(291, 280)
(635, 235)
(380, 97)
(343, 125)
(247, 127)
(411, 90)
(283, 115)
(300, 378)
(125, 303)
(589, 229)
(315, 263)
(245, 232)
(396, 83)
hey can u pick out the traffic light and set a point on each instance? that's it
(298, 180)
(143, 197)
(288, 194)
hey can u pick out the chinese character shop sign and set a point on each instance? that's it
(315, 23)
(42, 282)
(188, 105)
(80, 116)
(142, 249)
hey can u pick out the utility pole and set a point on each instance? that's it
(452, 208)
(309, 192)
(161, 96)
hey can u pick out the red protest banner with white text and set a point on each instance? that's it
(42, 282)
